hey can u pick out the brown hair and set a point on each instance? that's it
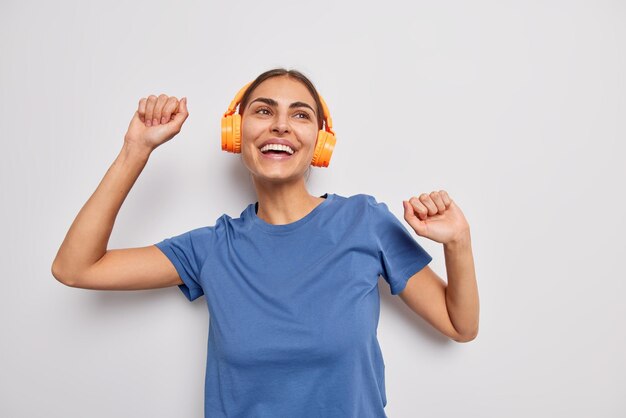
(276, 72)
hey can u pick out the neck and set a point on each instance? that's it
(284, 203)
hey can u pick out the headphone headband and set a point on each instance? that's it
(233, 105)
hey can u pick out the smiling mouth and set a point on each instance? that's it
(277, 155)
(277, 151)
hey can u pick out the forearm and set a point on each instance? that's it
(87, 239)
(462, 289)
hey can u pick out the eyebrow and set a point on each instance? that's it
(274, 103)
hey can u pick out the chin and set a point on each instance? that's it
(279, 177)
(275, 171)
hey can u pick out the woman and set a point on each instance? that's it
(291, 284)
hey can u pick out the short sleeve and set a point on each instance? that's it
(401, 256)
(188, 253)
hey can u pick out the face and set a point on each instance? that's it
(280, 110)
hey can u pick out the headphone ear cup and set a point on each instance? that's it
(226, 132)
(323, 149)
(237, 133)
(231, 133)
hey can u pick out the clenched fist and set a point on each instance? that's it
(436, 216)
(157, 120)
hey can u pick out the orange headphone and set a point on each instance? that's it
(231, 132)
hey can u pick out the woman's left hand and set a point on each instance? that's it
(437, 217)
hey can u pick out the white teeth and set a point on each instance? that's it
(277, 147)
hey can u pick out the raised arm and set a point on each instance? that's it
(83, 259)
(452, 307)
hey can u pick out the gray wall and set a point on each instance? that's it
(515, 108)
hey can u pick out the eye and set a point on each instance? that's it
(262, 111)
(303, 115)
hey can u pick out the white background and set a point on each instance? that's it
(517, 109)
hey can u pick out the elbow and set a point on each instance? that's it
(56, 273)
(62, 277)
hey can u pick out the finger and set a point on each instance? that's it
(170, 107)
(409, 216)
(427, 201)
(181, 115)
(436, 198)
(142, 109)
(158, 109)
(420, 209)
(445, 197)
(151, 101)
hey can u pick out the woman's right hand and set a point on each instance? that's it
(157, 120)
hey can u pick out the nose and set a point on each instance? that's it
(280, 125)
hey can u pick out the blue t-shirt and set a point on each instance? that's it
(294, 308)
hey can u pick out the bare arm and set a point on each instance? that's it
(452, 308)
(462, 290)
(83, 259)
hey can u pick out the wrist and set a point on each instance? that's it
(463, 240)
(133, 150)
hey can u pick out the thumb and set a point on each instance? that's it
(416, 223)
(182, 113)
